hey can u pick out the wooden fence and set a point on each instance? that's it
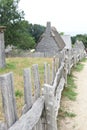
(41, 110)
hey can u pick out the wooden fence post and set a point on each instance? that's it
(45, 72)
(74, 57)
(53, 69)
(36, 81)
(27, 90)
(69, 61)
(8, 98)
(2, 48)
(65, 71)
(50, 107)
(37, 90)
(3, 126)
(48, 74)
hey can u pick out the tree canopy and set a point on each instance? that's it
(16, 27)
(80, 37)
(36, 31)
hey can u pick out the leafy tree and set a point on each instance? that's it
(36, 31)
(16, 27)
(61, 33)
(23, 39)
(9, 12)
(80, 37)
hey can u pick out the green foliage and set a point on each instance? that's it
(16, 33)
(18, 93)
(9, 17)
(10, 66)
(84, 60)
(36, 31)
(64, 113)
(69, 114)
(79, 67)
(80, 37)
(9, 13)
(61, 33)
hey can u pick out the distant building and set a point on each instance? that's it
(79, 44)
(50, 41)
(67, 40)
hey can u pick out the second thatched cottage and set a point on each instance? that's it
(50, 41)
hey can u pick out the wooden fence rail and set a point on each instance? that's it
(41, 110)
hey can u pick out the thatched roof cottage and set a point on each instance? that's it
(50, 41)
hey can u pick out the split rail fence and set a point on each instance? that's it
(41, 110)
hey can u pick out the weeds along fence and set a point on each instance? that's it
(41, 110)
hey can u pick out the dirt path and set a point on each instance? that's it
(79, 107)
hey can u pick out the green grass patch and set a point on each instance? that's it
(9, 66)
(69, 90)
(84, 60)
(63, 113)
(79, 67)
(18, 93)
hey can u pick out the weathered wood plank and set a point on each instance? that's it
(58, 76)
(39, 125)
(31, 118)
(2, 50)
(27, 90)
(53, 69)
(45, 72)
(50, 107)
(8, 98)
(36, 81)
(48, 75)
(58, 94)
(3, 126)
(65, 71)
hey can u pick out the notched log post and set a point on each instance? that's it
(8, 98)
(50, 107)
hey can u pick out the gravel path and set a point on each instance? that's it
(79, 107)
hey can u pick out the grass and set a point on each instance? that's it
(84, 60)
(80, 65)
(64, 113)
(69, 91)
(18, 93)
(16, 65)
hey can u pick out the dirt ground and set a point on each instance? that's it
(79, 106)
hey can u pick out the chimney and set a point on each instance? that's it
(48, 28)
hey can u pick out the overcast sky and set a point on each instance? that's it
(68, 16)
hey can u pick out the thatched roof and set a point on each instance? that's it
(58, 39)
(50, 40)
